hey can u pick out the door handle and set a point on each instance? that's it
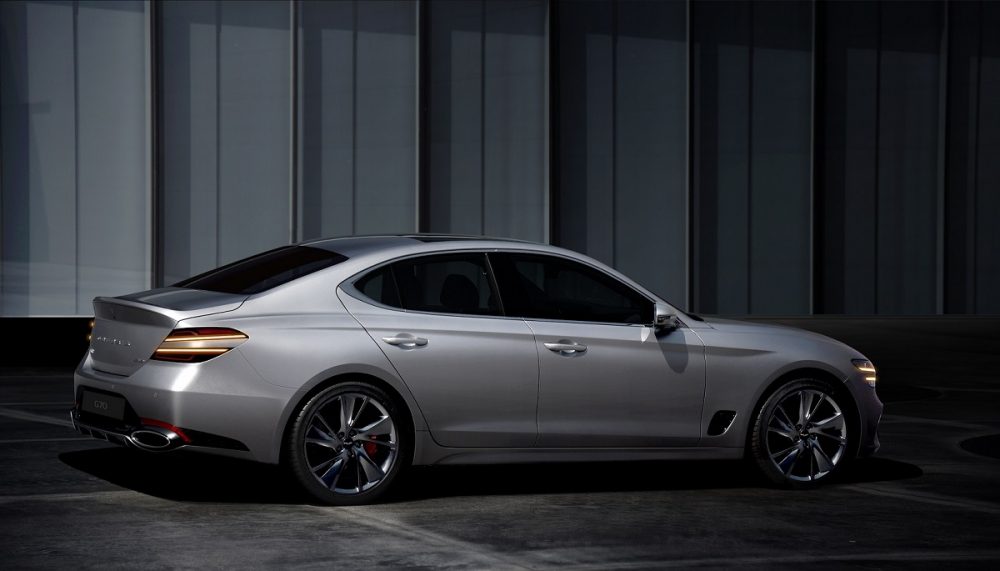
(566, 347)
(405, 341)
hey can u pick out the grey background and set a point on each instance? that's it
(737, 157)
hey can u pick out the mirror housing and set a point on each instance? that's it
(664, 317)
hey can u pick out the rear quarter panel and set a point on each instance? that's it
(300, 335)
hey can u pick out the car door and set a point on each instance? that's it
(437, 318)
(606, 377)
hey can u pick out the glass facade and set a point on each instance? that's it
(751, 178)
(224, 132)
(357, 81)
(74, 155)
(486, 117)
(622, 138)
(738, 157)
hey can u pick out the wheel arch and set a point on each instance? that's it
(412, 421)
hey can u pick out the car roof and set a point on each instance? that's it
(356, 245)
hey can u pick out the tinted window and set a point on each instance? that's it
(380, 286)
(264, 271)
(456, 283)
(548, 287)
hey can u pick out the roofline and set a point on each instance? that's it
(419, 235)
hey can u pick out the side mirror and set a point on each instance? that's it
(664, 317)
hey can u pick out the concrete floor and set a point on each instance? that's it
(931, 497)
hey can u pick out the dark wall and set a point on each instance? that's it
(781, 157)
(838, 157)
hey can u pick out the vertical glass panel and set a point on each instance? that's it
(585, 129)
(455, 111)
(721, 146)
(326, 123)
(74, 192)
(385, 117)
(253, 126)
(987, 245)
(189, 138)
(964, 42)
(38, 189)
(781, 157)
(225, 132)
(357, 117)
(752, 167)
(486, 118)
(514, 119)
(623, 137)
(909, 84)
(650, 208)
(846, 134)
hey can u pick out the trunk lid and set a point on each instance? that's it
(127, 329)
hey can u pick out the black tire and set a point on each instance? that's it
(303, 458)
(808, 455)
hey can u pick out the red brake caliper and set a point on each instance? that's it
(370, 448)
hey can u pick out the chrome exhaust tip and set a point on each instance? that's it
(155, 439)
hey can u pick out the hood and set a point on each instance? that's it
(746, 327)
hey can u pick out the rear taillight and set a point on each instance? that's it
(197, 344)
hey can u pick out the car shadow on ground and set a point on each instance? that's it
(193, 477)
(607, 477)
(187, 476)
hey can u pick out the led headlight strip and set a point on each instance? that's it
(866, 367)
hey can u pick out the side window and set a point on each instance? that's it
(549, 287)
(380, 286)
(450, 283)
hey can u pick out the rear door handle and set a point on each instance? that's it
(566, 347)
(401, 341)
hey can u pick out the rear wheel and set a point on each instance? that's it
(801, 434)
(347, 444)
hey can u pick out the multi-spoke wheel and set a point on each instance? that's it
(801, 434)
(346, 445)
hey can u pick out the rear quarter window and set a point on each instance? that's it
(454, 283)
(264, 271)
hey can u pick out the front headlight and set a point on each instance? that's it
(866, 367)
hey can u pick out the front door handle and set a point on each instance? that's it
(566, 347)
(408, 342)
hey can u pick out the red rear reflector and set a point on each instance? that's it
(167, 426)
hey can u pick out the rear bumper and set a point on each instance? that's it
(158, 437)
(222, 405)
(122, 438)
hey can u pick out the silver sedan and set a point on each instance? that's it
(349, 359)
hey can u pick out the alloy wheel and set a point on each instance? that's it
(806, 435)
(350, 443)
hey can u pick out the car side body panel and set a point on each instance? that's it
(631, 386)
(476, 377)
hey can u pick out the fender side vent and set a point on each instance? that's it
(721, 422)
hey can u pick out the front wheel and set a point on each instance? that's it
(801, 435)
(347, 444)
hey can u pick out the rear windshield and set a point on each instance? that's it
(264, 271)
